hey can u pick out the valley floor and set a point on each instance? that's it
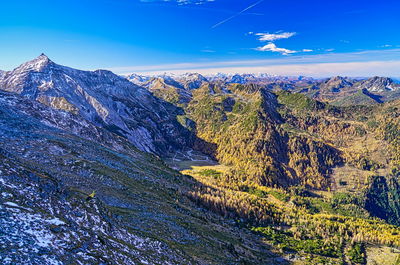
(206, 171)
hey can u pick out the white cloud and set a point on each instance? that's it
(274, 37)
(273, 48)
(271, 38)
(208, 51)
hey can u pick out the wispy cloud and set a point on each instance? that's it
(272, 48)
(274, 37)
(237, 14)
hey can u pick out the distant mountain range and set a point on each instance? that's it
(335, 90)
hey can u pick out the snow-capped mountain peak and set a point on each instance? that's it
(37, 64)
(379, 84)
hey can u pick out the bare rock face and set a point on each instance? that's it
(378, 84)
(103, 99)
(65, 199)
(58, 103)
(336, 84)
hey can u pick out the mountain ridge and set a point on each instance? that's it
(336, 90)
(102, 98)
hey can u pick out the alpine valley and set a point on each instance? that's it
(98, 168)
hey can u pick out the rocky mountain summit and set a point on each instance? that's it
(191, 80)
(138, 79)
(336, 84)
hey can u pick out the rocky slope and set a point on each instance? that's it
(66, 199)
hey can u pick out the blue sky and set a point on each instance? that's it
(310, 37)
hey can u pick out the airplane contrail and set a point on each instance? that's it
(238, 14)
